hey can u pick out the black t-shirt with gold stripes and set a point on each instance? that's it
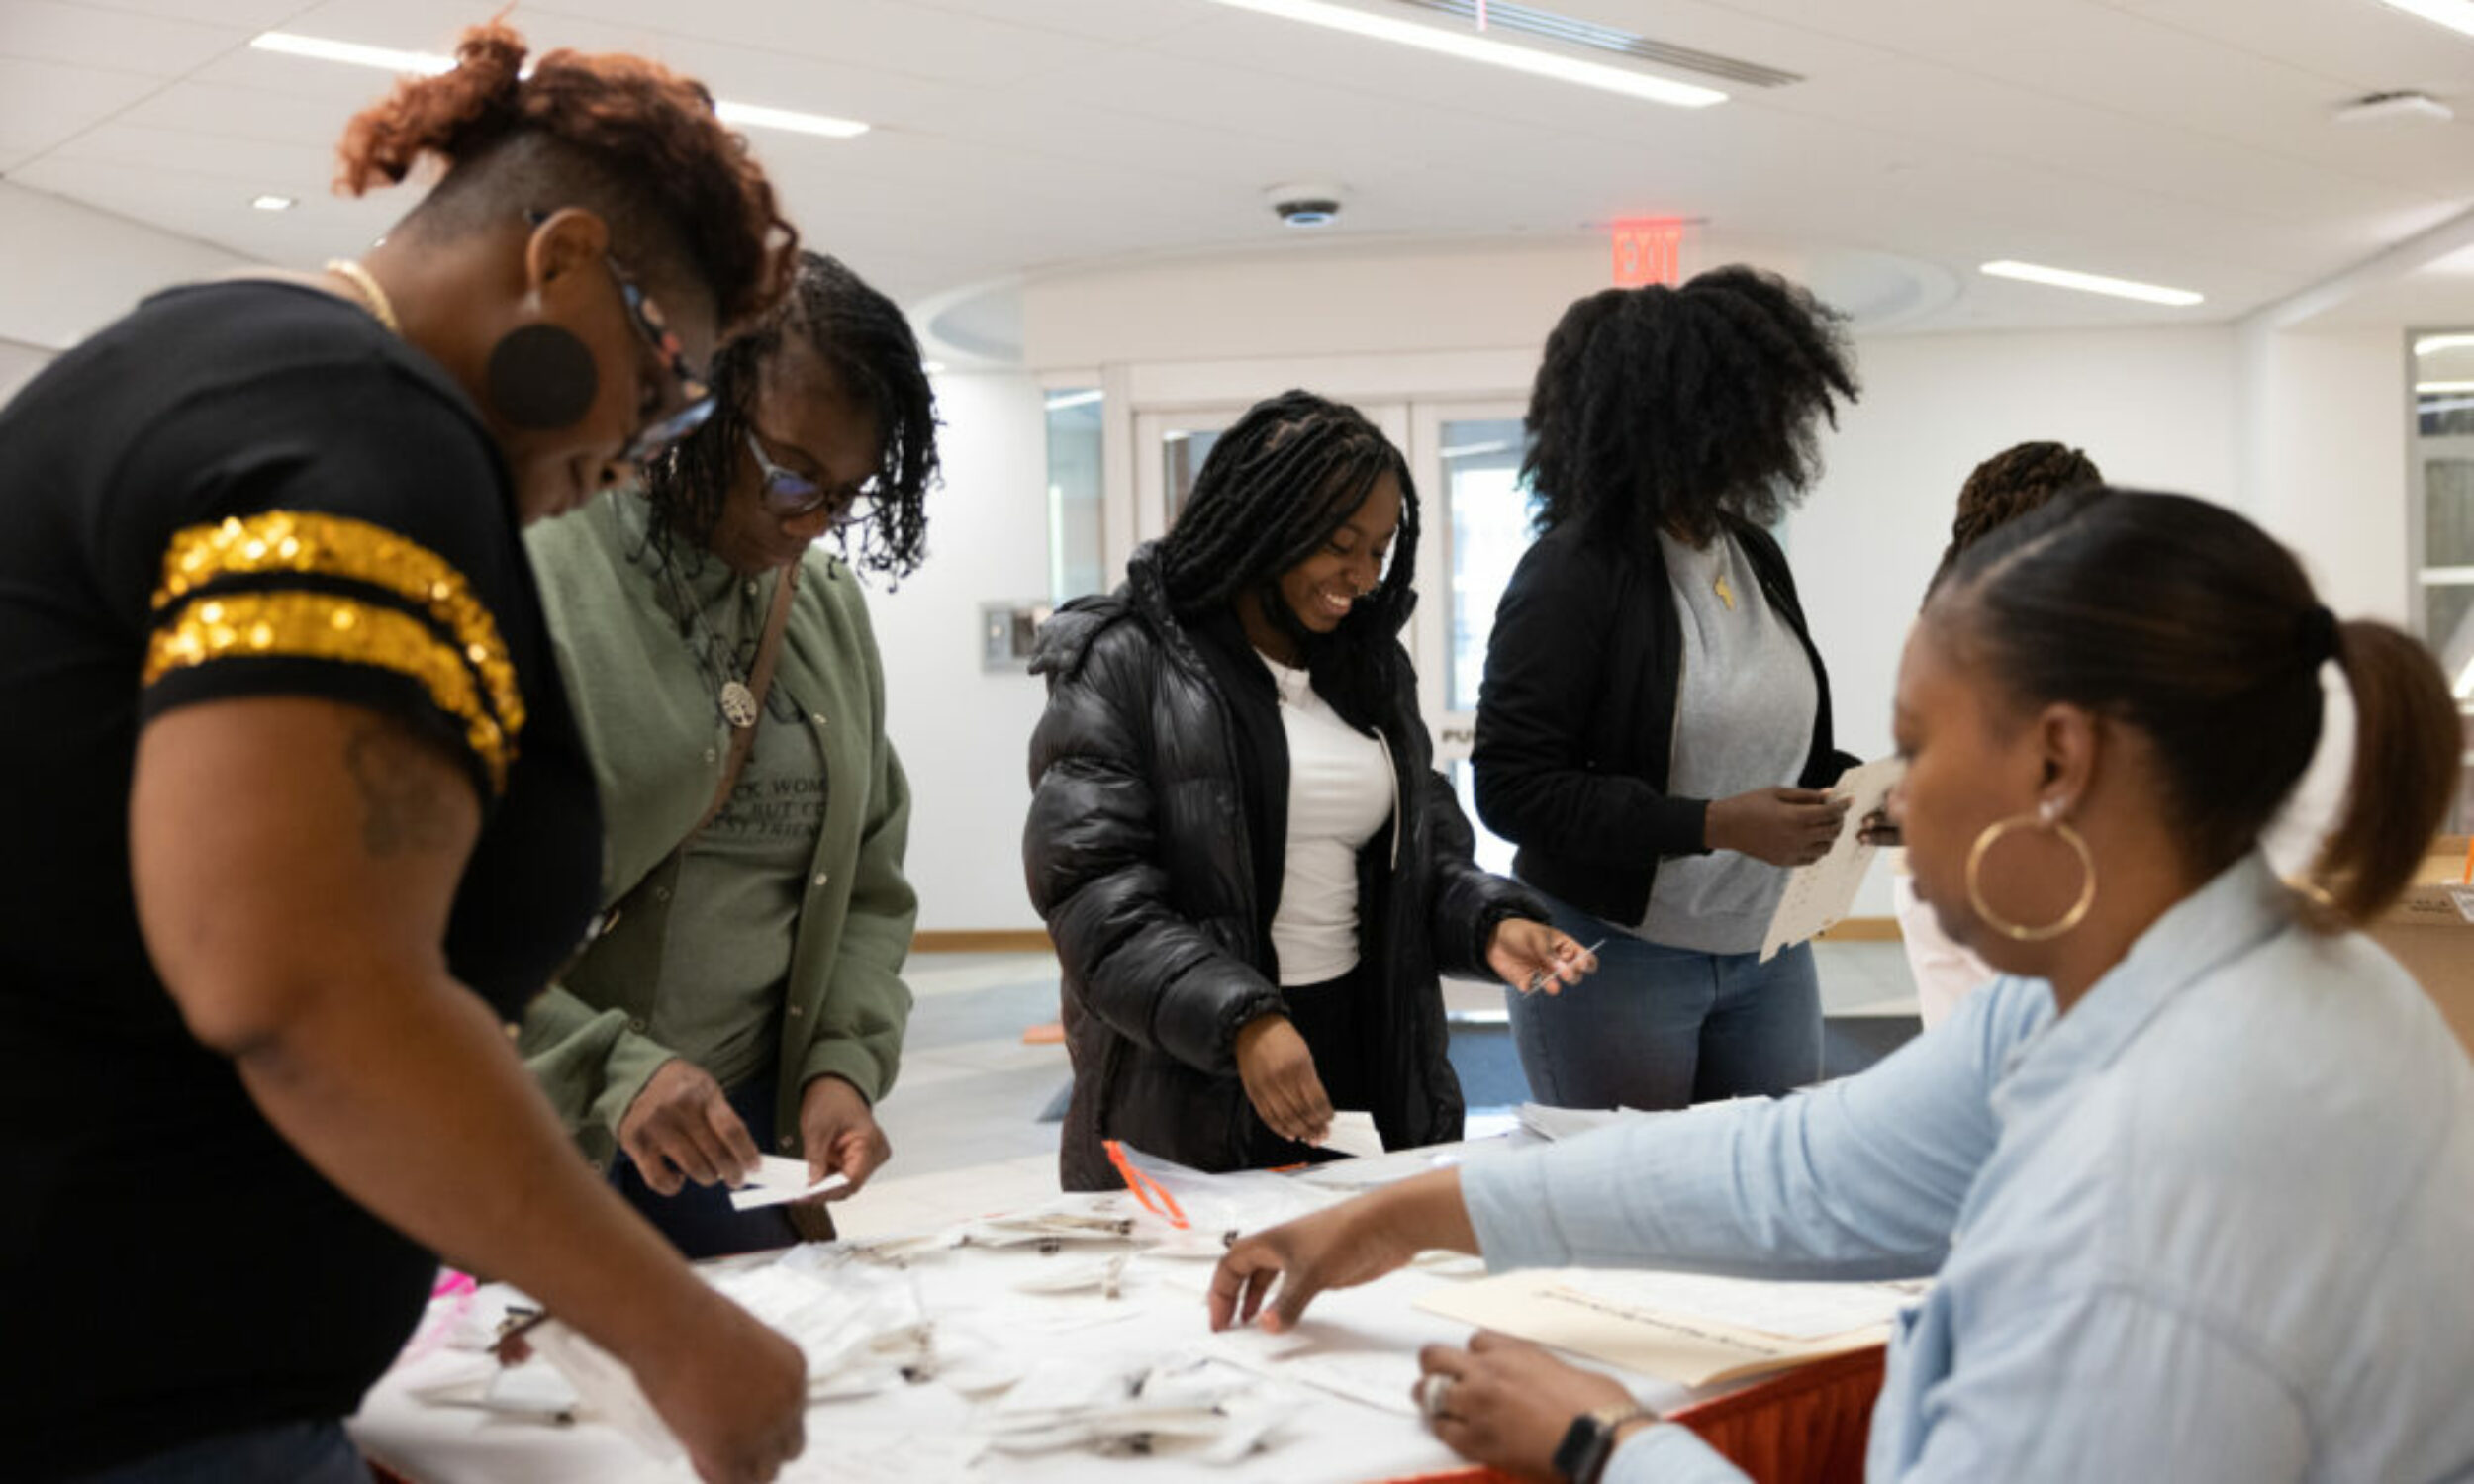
(241, 489)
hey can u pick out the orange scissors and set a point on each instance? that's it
(1145, 1189)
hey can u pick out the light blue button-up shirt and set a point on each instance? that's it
(2216, 1223)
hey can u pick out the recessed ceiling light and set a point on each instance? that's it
(2430, 388)
(430, 64)
(2456, 15)
(2091, 283)
(2433, 344)
(274, 203)
(1472, 47)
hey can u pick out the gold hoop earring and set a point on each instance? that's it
(2014, 931)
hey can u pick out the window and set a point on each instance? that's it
(1489, 515)
(1075, 567)
(2442, 524)
(1182, 452)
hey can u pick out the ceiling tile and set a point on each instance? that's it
(43, 103)
(114, 40)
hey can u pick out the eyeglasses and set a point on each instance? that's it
(788, 494)
(696, 404)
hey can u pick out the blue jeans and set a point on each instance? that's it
(299, 1453)
(1664, 1027)
(699, 1220)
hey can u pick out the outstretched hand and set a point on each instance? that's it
(1532, 957)
(1353, 1242)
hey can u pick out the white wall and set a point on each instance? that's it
(2155, 408)
(2325, 454)
(964, 732)
(67, 270)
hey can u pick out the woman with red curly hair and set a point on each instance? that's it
(316, 820)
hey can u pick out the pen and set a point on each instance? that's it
(1537, 978)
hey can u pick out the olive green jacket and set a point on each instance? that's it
(658, 743)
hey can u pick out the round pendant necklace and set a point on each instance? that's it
(726, 665)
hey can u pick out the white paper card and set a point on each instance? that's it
(1819, 895)
(1353, 1134)
(779, 1181)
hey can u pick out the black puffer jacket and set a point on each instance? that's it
(1139, 859)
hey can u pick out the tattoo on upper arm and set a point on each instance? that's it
(404, 803)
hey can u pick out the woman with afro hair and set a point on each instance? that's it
(1653, 728)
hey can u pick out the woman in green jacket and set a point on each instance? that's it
(746, 993)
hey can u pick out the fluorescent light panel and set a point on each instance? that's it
(2433, 344)
(430, 64)
(353, 54)
(756, 116)
(1469, 47)
(2091, 283)
(274, 203)
(2456, 15)
(2434, 388)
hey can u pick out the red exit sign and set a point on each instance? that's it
(1647, 252)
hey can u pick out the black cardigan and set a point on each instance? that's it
(1577, 718)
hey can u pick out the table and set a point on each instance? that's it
(1806, 1426)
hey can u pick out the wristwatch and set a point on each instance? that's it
(1591, 1441)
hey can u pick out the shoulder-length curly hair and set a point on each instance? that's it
(1666, 407)
(863, 338)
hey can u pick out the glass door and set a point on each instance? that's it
(1170, 448)
(1466, 457)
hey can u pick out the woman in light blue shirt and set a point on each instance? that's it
(2196, 1177)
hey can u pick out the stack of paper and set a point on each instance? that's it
(1678, 1327)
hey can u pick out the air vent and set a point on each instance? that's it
(1545, 25)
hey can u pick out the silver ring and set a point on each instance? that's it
(1434, 1394)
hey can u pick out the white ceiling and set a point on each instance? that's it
(2181, 141)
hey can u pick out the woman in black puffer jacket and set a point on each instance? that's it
(1250, 870)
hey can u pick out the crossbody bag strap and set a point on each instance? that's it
(742, 741)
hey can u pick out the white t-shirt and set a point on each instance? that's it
(1340, 793)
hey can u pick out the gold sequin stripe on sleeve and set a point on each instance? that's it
(280, 541)
(325, 626)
